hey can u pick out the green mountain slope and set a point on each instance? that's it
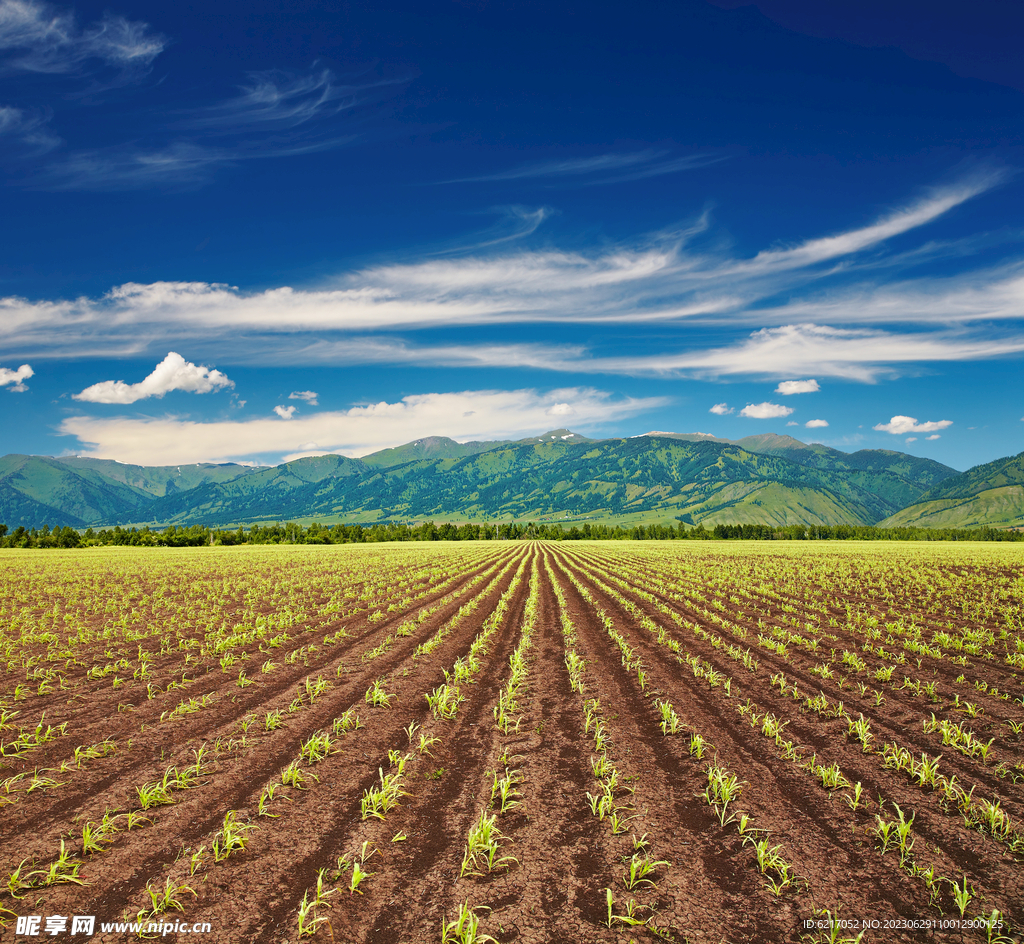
(37, 490)
(553, 475)
(155, 480)
(557, 475)
(988, 495)
(79, 492)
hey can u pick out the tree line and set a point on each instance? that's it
(293, 533)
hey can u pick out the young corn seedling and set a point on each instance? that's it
(293, 776)
(318, 746)
(154, 794)
(962, 896)
(427, 742)
(444, 701)
(308, 919)
(168, 898)
(854, 801)
(833, 932)
(347, 721)
(482, 847)
(503, 791)
(378, 801)
(831, 777)
(95, 834)
(232, 837)
(640, 866)
(377, 696)
(62, 871)
(272, 720)
(722, 789)
(697, 745)
(670, 723)
(464, 928)
(630, 917)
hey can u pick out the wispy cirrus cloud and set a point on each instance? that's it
(464, 415)
(663, 281)
(599, 168)
(38, 37)
(279, 100)
(25, 133)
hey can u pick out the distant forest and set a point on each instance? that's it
(292, 533)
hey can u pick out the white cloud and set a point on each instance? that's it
(792, 423)
(789, 387)
(622, 167)
(279, 100)
(561, 409)
(28, 135)
(310, 396)
(16, 378)
(911, 439)
(46, 39)
(465, 416)
(285, 412)
(816, 424)
(721, 409)
(655, 280)
(899, 425)
(172, 373)
(933, 436)
(765, 411)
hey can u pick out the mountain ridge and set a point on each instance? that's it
(558, 474)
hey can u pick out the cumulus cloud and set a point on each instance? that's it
(561, 409)
(900, 425)
(310, 396)
(15, 379)
(172, 373)
(765, 411)
(933, 436)
(816, 424)
(789, 387)
(285, 412)
(467, 415)
(911, 439)
(721, 409)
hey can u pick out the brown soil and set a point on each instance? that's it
(565, 857)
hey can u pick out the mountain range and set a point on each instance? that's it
(558, 476)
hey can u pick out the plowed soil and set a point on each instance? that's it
(268, 649)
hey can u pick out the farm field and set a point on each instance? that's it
(536, 742)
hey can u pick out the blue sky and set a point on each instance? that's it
(237, 233)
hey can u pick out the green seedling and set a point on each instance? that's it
(377, 696)
(482, 847)
(426, 742)
(722, 789)
(962, 896)
(629, 918)
(272, 720)
(232, 837)
(168, 898)
(640, 866)
(854, 801)
(464, 928)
